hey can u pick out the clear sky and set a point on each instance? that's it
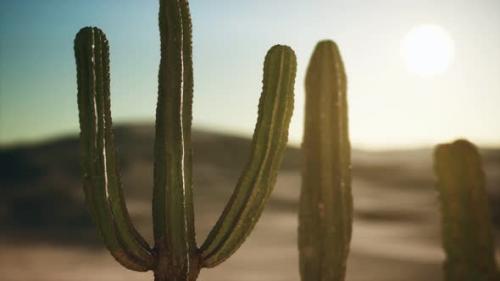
(390, 106)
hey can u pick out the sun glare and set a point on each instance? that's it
(428, 50)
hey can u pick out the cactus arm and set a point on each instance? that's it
(257, 180)
(172, 203)
(325, 211)
(466, 228)
(101, 179)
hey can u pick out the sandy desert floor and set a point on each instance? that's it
(396, 233)
(396, 237)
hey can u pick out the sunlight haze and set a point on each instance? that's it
(397, 98)
(428, 50)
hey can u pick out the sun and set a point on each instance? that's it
(428, 50)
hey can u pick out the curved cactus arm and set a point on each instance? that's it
(325, 213)
(172, 204)
(101, 179)
(257, 180)
(466, 228)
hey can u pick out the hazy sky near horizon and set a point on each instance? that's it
(390, 107)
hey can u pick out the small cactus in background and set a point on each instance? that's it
(466, 229)
(325, 215)
(175, 255)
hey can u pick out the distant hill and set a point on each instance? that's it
(40, 187)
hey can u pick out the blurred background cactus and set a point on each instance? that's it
(467, 234)
(325, 215)
(175, 255)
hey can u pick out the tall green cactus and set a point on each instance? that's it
(466, 229)
(325, 216)
(175, 255)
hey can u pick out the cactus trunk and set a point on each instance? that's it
(325, 215)
(175, 244)
(466, 229)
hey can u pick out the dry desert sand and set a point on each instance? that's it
(396, 225)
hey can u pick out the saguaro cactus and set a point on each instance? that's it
(325, 217)
(466, 229)
(175, 255)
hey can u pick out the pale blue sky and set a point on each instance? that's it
(389, 106)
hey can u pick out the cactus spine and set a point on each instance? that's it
(466, 229)
(175, 255)
(325, 216)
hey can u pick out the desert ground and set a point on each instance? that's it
(46, 234)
